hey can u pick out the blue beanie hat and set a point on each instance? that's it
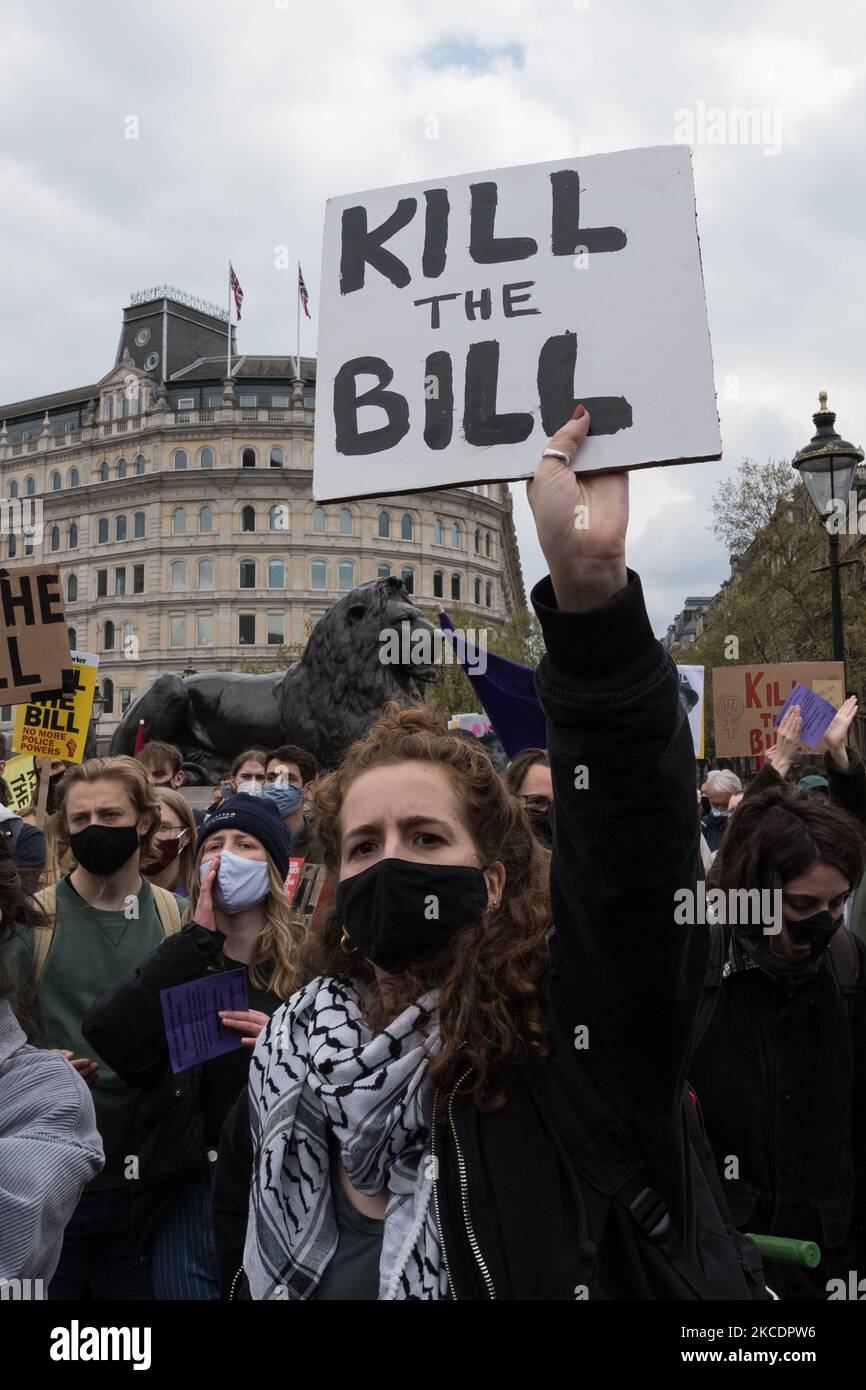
(257, 816)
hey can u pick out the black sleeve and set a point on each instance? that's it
(626, 839)
(848, 789)
(30, 848)
(231, 1192)
(125, 1024)
(763, 780)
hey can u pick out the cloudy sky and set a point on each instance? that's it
(250, 113)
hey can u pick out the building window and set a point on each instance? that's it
(74, 479)
(276, 629)
(186, 403)
(278, 517)
(488, 597)
(384, 526)
(204, 630)
(346, 576)
(438, 532)
(439, 584)
(101, 583)
(205, 521)
(319, 521)
(120, 580)
(56, 482)
(318, 575)
(72, 536)
(71, 588)
(478, 592)
(248, 458)
(248, 519)
(13, 487)
(108, 636)
(121, 468)
(277, 457)
(276, 574)
(120, 528)
(6, 713)
(54, 538)
(487, 544)
(28, 545)
(180, 461)
(456, 587)
(248, 402)
(138, 579)
(177, 632)
(456, 536)
(102, 473)
(384, 572)
(125, 697)
(477, 540)
(406, 528)
(13, 547)
(345, 522)
(205, 574)
(73, 638)
(102, 531)
(128, 643)
(280, 402)
(178, 576)
(246, 629)
(205, 460)
(139, 464)
(108, 697)
(407, 574)
(138, 523)
(29, 487)
(178, 522)
(247, 573)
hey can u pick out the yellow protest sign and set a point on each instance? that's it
(20, 778)
(57, 728)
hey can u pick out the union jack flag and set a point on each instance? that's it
(236, 290)
(302, 291)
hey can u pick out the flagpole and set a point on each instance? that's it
(298, 306)
(229, 334)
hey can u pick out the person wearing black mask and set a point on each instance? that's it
(528, 777)
(104, 919)
(779, 1066)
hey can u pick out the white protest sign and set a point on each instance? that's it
(463, 318)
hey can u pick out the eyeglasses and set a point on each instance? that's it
(536, 803)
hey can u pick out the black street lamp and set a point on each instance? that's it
(827, 466)
(189, 669)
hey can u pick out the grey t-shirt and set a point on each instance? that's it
(353, 1273)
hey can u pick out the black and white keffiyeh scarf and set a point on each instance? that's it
(318, 1070)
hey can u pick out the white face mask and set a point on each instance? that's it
(250, 786)
(240, 882)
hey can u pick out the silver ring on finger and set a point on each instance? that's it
(557, 454)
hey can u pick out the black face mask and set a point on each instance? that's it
(103, 849)
(817, 930)
(541, 827)
(400, 913)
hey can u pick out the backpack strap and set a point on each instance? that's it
(167, 909)
(46, 901)
(12, 830)
(845, 965)
(719, 942)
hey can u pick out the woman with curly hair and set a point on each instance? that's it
(478, 1091)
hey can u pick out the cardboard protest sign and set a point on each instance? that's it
(20, 777)
(692, 695)
(191, 1012)
(748, 699)
(34, 646)
(463, 318)
(57, 727)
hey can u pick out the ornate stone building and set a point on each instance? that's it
(177, 501)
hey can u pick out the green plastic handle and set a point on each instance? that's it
(792, 1252)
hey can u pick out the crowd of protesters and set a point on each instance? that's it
(498, 1066)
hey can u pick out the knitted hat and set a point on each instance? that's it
(257, 816)
(812, 781)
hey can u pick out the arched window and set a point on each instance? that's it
(102, 472)
(248, 458)
(205, 521)
(247, 574)
(438, 532)
(13, 487)
(477, 540)
(73, 638)
(487, 544)
(139, 464)
(205, 458)
(456, 587)
(178, 521)
(138, 524)
(318, 575)
(108, 695)
(56, 482)
(438, 584)
(456, 536)
(120, 528)
(345, 522)
(13, 547)
(71, 588)
(54, 538)
(102, 531)
(72, 536)
(407, 574)
(205, 574)
(278, 517)
(384, 572)
(248, 519)
(122, 469)
(385, 526)
(74, 479)
(180, 460)
(319, 525)
(406, 528)
(488, 599)
(277, 457)
(276, 574)
(178, 576)
(108, 636)
(29, 487)
(346, 576)
(478, 591)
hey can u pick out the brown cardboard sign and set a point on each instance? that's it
(747, 701)
(34, 644)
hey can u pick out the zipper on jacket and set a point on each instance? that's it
(436, 1197)
(235, 1283)
(464, 1193)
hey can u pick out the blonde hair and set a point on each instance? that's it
(180, 806)
(135, 782)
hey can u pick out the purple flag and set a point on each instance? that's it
(507, 694)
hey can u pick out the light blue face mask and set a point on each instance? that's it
(287, 799)
(240, 883)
